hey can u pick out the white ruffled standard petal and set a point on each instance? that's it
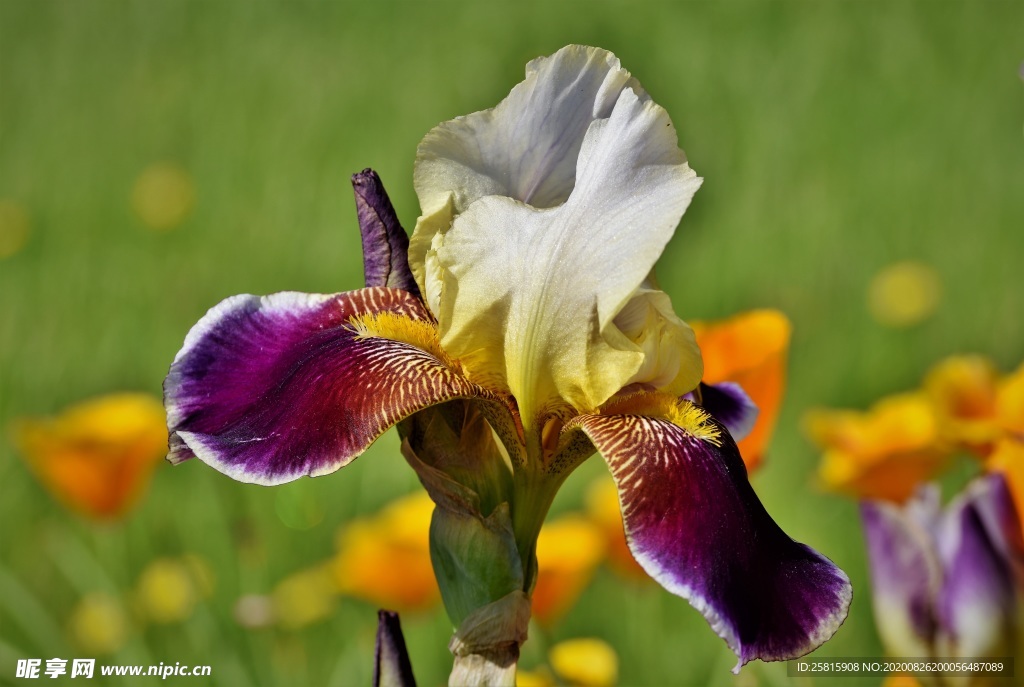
(525, 148)
(529, 296)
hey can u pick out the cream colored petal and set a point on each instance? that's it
(672, 360)
(526, 148)
(530, 295)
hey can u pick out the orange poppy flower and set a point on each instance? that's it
(568, 551)
(97, 456)
(749, 349)
(385, 558)
(882, 453)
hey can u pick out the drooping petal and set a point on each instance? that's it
(729, 404)
(269, 389)
(526, 148)
(696, 526)
(385, 244)
(749, 349)
(905, 575)
(977, 604)
(529, 296)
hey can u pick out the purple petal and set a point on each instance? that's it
(269, 389)
(905, 573)
(695, 525)
(385, 243)
(391, 666)
(729, 404)
(977, 603)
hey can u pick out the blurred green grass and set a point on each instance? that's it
(834, 139)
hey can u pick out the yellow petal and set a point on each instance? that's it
(568, 551)
(1010, 403)
(882, 453)
(963, 389)
(97, 456)
(385, 559)
(585, 662)
(749, 349)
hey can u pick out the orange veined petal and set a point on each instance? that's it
(964, 390)
(568, 551)
(97, 456)
(882, 453)
(385, 558)
(750, 349)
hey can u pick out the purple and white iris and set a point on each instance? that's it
(948, 583)
(526, 296)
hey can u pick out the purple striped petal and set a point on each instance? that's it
(977, 603)
(269, 389)
(695, 525)
(385, 243)
(729, 404)
(905, 572)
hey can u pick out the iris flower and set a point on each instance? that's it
(948, 583)
(517, 332)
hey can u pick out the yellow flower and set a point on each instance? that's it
(585, 662)
(163, 196)
(98, 624)
(169, 588)
(304, 597)
(97, 456)
(14, 227)
(568, 551)
(904, 294)
(385, 558)
(882, 453)
(963, 390)
(749, 349)
(602, 507)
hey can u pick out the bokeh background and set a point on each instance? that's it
(835, 140)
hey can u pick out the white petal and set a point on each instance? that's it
(530, 295)
(525, 148)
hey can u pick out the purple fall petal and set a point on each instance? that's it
(269, 389)
(905, 572)
(391, 666)
(729, 404)
(385, 243)
(976, 605)
(696, 526)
